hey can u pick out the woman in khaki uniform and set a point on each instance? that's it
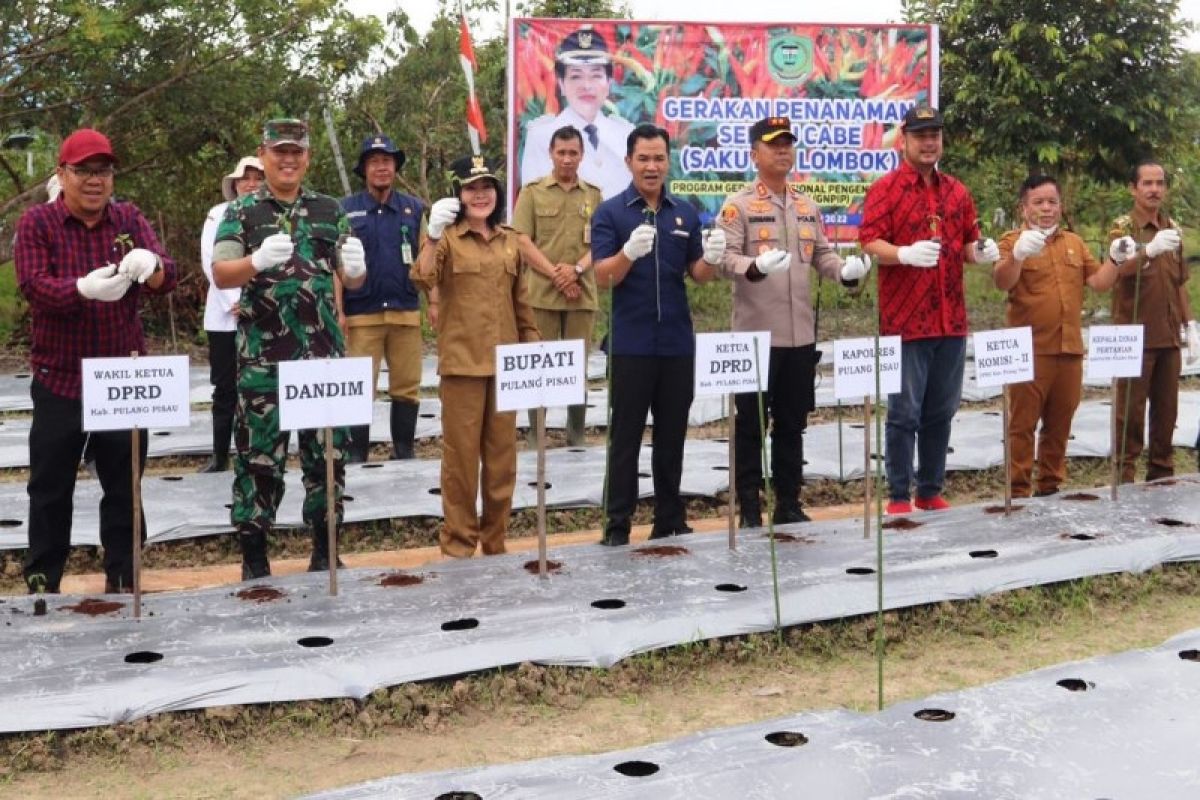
(474, 263)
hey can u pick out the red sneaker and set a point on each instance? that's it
(935, 503)
(895, 507)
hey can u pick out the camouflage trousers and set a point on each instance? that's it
(262, 455)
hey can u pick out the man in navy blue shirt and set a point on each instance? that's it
(383, 316)
(644, 241)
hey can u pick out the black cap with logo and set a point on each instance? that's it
(770, 129)
(920, 118)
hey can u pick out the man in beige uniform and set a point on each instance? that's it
(473, 261)
(1148, 246)
(773, 233)
(556, 212)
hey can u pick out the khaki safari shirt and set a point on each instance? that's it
(1158, 293)
(560, 222)
(482, 301)
(756, 220)
(1048, 295)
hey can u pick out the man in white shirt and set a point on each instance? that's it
(583, 68)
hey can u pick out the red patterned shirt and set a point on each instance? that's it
(916, 302)
(53, 250)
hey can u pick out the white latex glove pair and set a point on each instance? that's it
(1164, 241)
(277, 248)
(926, 252)
(104, 285)
(640, 243)
(1190, 333)
(441, 215)
(1030, 243)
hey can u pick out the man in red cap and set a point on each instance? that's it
(82, 264)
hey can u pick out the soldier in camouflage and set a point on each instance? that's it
(280, 245)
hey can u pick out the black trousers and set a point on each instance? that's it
(662, 385)
(787, 402)
(222, 372)
(56, 441)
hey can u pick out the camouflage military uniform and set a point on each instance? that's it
(285, 313)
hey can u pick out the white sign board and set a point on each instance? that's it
(1114, 351)
(540, 375)
(854, 367)
(143, 392)
(728, 363)
(325, 393)
(1004, 356)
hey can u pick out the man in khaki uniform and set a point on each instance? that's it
(1044, 269)
(1148, 246)
(555, 213)
(474, 263)
(769, 226)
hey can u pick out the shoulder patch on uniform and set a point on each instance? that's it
(729, 213)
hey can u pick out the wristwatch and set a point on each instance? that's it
(579, 270)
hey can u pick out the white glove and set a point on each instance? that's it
(443, 213)
(1191, 335)
(138, 265)
(1029, 243)
(276, 249)
(103, 284)
(641, 242)
(772, 261)
(354, 258)
(1121, 249)
(856, 268)
(986, 251)
(714, 245)
(1164, 241)
(924, 253)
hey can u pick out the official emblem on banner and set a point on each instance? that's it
(790, 58)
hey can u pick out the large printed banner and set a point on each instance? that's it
(845, 89)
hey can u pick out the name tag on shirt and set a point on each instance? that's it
(680, 233)
(353, 214)
(406, 253)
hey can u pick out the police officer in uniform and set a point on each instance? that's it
(281, 246)
(583, 71)
(474, 263)
(773, 234)
(383, 316)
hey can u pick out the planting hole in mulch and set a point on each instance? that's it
(644, 475)
(315, 641)
(21, 375)
(660, 551)
(464, 624)
(143, 657)
(576, 449)
(1079, 537)
(860, 571)
(161, 433)
(436, 490)
(790, 537)
(721, 468)
(1158, 483)
(10, 523)
(459, 796)
(259, 594)
(347, 498)
(608, 604)
(94, 608)
(551, 566)
(533, 484)
(721, 441)
(902, 524)
(172, 478)
(1000, 509)
(983, 554)
(1075, 684)
(1080, 496)
(1190, 655)
(400, 579)
(786, 738)
(934, 715)
(372, 466)
(1173, 523)
(730, 587)
(426, 416)
(636, 769)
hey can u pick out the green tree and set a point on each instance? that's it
(1089, 86)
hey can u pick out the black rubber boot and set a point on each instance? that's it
(254, 555)
(404, 428)
(319, 562)
(222, 431)
(359, 449)
(750, 512)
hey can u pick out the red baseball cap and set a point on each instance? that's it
(83, 144)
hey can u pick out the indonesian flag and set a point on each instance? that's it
(476, 130)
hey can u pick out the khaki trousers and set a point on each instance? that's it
(1159, 383)
(555, 325)
(400, 345)
(1051, 397)
(479, 445)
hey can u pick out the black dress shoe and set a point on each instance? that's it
(118, 585)
(750, 518)
(662, 533)
(615, 539)
(786, 516)
(1045, 492)
(319, 562)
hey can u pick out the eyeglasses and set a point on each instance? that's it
(91, 172)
